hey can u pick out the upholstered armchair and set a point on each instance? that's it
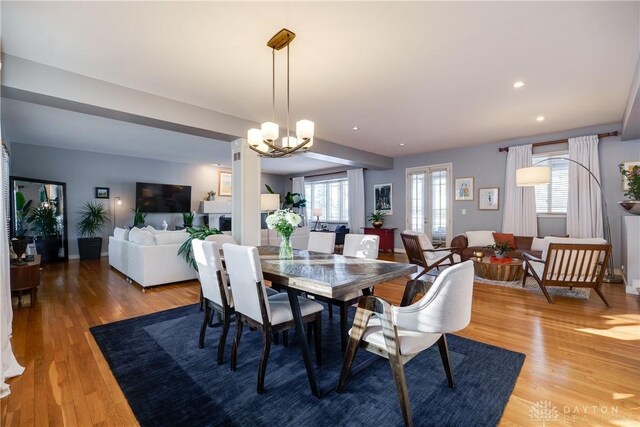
(401, 333)
(421, 252)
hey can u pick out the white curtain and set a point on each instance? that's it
(297, 186)
(584, 204)
(355, 179)
(9, 366)
(519, 215)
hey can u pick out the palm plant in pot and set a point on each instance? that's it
(138, 218)
(20, 241)
(199, 233)
(632, 176)
(93, 218)
(376, 218)
(44, 219)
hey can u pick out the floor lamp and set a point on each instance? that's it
(541, 175)
(269, 203)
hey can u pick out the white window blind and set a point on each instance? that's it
(5, 187)
(331, 196)
(552, 198)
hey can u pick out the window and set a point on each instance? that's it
(551, 199)
(5, 186)
(332, 196)
(429, 201)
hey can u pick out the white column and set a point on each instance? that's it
(245, 208)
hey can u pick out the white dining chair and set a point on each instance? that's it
(400, 333)
(221, 239)
(321, 242)
(269, 315)
(216, 294)
(361, 246)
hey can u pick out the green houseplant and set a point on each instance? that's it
(138, 218)
(632, 176)
(187, 219)
(501, 249)
(200, 233)
(22, 213)
(93, 217)
(376, 218)
(44, 220)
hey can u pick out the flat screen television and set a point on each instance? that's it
(163, 198)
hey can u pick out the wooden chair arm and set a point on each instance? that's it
(441, 249)
(530, 258)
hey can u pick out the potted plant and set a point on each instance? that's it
(632, 176)
(211, 196)
(93, 218)
(138, 218)
(200, 233)
(44, 219)
(376, 218)
(500, 248)
(187, 219)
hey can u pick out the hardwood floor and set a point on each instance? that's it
(581, 357)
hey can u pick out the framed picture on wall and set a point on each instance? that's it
(628, 166)
(488, 199)
(102, 192)
(224, 184)
(464, 189)
(382, 198)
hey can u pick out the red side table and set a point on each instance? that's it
(386, 237)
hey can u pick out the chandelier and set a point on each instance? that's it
(264, 141)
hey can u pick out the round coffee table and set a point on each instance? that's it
(496, 270)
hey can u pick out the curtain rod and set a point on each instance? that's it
(561, 141)
(327, 174)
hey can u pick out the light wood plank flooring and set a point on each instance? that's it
(581, 357)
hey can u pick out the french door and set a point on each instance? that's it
(429, 201)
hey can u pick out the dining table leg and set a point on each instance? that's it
(302, 341)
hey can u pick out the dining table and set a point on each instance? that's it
(324, 275)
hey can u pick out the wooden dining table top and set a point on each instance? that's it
(328, 275)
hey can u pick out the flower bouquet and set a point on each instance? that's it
(284, 221)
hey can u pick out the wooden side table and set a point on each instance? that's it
(386, 237)
(499, 271)
(26, 278)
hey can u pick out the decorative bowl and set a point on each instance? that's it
(630, 206)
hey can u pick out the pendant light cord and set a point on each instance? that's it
(273, 85)
(288, 94)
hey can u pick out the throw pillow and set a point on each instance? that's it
(141, 237)
(121, 233)
(479, 238)
(537, 244)
(171, 237)
(425, 243)
(505, 237)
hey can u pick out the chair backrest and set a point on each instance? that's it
(569, 240)
(425, 243)
(247, 282)
(322, 242)
(210, 272)
(361, 246)
(221, 239)
(414, 252)
(446, 307)
(575, 264)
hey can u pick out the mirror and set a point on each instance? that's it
(38, 212)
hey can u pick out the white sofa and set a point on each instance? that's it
(149, 258)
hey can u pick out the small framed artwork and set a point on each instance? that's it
(382, 198)
(102, 192)
(224, 184)
(464, 189)
(628, 166)
(488, 199)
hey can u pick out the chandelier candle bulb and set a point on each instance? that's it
(269, 131)
(304, 129)
(289, 142)
(254, 137)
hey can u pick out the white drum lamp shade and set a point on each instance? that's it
(269, 202)
(317, 212)
(531, 176)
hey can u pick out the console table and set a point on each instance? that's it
(26, 277)
(386, 237)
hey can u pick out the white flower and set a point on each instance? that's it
(293, 218)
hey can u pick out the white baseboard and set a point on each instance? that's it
(76, 256)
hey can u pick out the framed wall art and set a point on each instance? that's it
(464, 189)
(224, 184)
(383, 198)
(488, 199)
(102, 192)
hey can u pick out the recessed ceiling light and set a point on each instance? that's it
(518, 84)
(540, 119)
(402, 144)
(355, 128)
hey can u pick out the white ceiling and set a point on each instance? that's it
(430, 75)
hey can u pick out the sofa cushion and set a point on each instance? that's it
(505, 237)
(170, 237)
(537, 244)
(425, 243)
(121, 233)
(480, 238)
(141, 237)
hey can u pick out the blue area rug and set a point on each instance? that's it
(168, 380)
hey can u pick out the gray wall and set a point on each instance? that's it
(488, 166)
(82, 171)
